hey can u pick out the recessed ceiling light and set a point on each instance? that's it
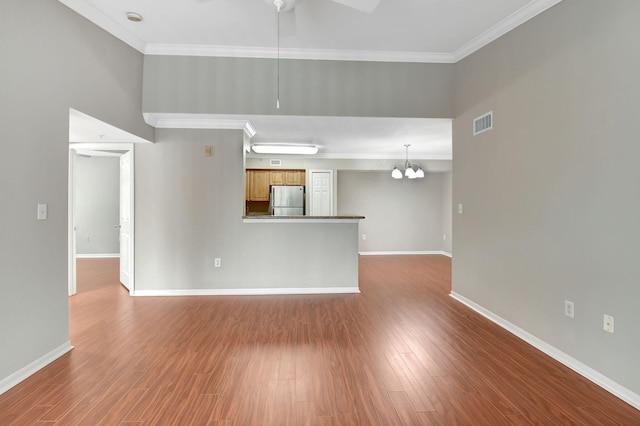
(134, 17)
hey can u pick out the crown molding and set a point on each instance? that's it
(365, 156)
(288, 53)
(85, 9)
(522, 15)
(197, 121)
(514, 20)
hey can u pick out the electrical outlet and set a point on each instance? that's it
(568, 308)
(607, 324)
(364, 237)
(460, 210)
(444, 237)
(217, 262)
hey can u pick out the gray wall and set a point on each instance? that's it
(447, 212)
(189, 211)
(52, 59)
(97, 196)
(551, 197)
(401, 214)
(182, 84)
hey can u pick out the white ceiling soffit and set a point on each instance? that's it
(86, 129)
(336, 137)
(452, 42)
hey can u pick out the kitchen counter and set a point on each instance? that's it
(302, 219)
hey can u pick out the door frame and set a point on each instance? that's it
(125, 146)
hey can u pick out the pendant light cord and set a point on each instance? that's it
(406, 150)
(278, 75)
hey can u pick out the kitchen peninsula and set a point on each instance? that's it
(306, 254)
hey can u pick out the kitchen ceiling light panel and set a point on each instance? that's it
(284, 149)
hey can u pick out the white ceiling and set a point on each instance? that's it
(397, 30)
(405, 30)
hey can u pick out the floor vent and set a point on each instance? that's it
(275, 163)
(483, 123)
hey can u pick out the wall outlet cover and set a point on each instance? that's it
(569, 308)
(607, 323)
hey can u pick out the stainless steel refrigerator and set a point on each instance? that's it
(287, 200)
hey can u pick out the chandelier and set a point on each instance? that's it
(411, 170)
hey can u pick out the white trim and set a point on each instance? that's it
(248, 291)
(71, 227)
(289, 53)
(584, 370)
(20, 375)
(393, 253)
(519, 17)
(94, 15)
(197, 121)
(366, 156)
(97, 255)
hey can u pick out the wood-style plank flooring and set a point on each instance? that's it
(401, 353)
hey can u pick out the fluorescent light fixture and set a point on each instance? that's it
(281, 148)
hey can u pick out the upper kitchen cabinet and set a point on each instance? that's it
(277, 177)
(294, 177)
(258, 182)
(287, 177)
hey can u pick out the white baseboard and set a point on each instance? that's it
(584, 370)
(247, 291)
(15, 378)
(391, 253)
(97, 255)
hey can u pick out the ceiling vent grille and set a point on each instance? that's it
(275, 163)
(483, 123)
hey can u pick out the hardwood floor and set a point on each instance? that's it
(401, 353)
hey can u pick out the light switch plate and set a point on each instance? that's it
(42, 212)
(569, 308)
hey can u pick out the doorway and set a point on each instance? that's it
(124, 223)
(93, 135)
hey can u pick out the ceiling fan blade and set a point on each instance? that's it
(362, 5)
(288, 25)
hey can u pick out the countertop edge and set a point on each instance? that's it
(303, 219)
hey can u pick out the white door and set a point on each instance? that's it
(125, 225)
(321, 193)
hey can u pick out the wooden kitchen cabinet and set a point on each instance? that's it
(277, 177)
(258, 182)
(294, 177)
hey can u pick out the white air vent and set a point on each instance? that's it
(275, 163)
(483, 123)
